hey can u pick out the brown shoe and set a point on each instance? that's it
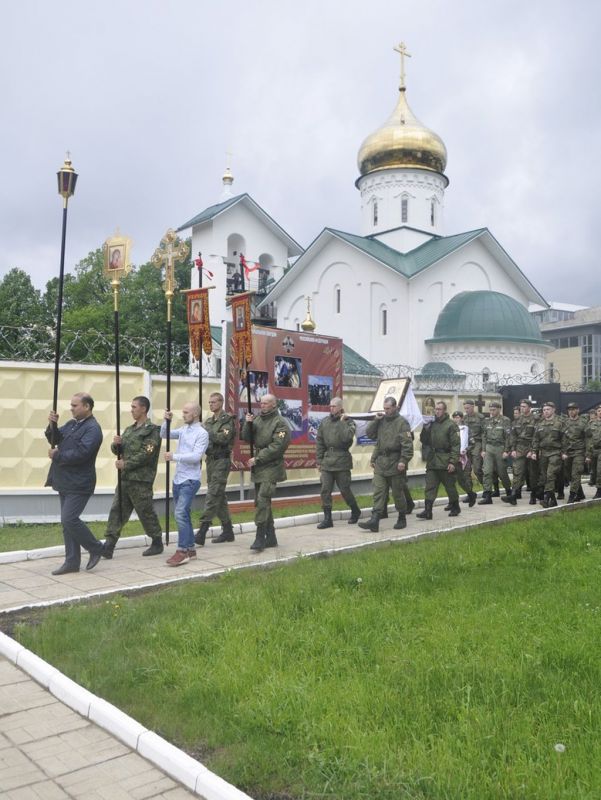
(178, 558)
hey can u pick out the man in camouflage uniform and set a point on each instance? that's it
(442, 443)
(335, 436)
(221, 428)
(137, 452)
(390, 458)
(271, 436)
(464, 467)
(575, 436)
(548, 445)
(525, 468)
(474, 421)
(496, 433)
(593, 450)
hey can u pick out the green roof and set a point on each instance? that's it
(210, 212)
(354, 364)
(409, 264)
(485, 315)
(438, 369)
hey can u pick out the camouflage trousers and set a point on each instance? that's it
(463, 476)
(215, 498)
(495, 463)
(434, 477)
(549, 468)
(342, 479)
(396, 484)
(476, 461)
(573, 468)
(525, 470)
(264, 491)
(135, 496)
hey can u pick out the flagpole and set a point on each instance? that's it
(251, 440)
(200, 354)
(165, 255)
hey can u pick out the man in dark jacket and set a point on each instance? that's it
(335, 436)
(442, 440)
(271, 436)
(73, 475)
(390, 459)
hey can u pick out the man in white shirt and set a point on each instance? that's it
(193, 440)
(464, 468)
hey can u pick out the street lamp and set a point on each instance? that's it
(67, 178)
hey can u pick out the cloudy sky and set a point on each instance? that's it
(150, 95)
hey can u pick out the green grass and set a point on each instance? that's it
(443, 670)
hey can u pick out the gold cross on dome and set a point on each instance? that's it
(401, 49)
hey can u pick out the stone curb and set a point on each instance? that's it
(165, 756)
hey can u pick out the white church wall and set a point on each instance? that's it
(403, 239)
(501, 359)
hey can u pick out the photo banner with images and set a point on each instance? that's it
(302, 370)
(199, 321)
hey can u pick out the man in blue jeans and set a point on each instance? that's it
(72, 474)
(193, 441)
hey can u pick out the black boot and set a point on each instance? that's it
(156, 547)
(448, 506)
(572, 497)
(496, 492)
(410, 504)
(355, 514)
(401, 522)
(427, 512)
(597, 494)
(471, 498)
(455, 510)
(201, 534)
(580, 494)
(532, 501)
(518, 494)
(552, 501)
(384, 514)
(226, 535)
(109, 546)
(372, 524)
(270, 537)
(327, 520)
(512, 499)
(259, 542)
(486, 499)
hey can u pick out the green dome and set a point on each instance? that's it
(489, 316)
(437, 368)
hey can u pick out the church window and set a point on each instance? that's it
(337, 299)
(375, 212)
(384, 322)
(404, 209)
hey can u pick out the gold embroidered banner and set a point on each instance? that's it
(242, 338)
(199, 323)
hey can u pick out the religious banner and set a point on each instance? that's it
(242, 335)
(199, 323)
(302, 370)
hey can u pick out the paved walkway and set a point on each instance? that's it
(48, 750)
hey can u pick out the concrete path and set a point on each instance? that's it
(85, 748)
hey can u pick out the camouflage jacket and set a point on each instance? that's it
(549, 437)
(575, 435)
(222, 432)
(522, 433)
(474, 422)
(271, 437)
(140, 452)
(593, 439)
(496, 432)
(334, 439)
(394, 443)
(442, 442)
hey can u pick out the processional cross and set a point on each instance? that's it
(166, 254)
(401, 49)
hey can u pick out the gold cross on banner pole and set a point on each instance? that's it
(166, 254)
(401, 49)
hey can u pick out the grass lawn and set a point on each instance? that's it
(461, 668)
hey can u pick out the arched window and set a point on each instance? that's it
(375, 209)
(337, 299)
(384, 321)
(432, 213)
(404, 208)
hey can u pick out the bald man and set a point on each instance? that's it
(193, 441)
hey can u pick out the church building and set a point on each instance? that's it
(399, 291)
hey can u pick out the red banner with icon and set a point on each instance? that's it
(199, 323)
(242, 336)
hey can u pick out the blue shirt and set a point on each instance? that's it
(193, 441)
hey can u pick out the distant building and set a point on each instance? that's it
(576, 341)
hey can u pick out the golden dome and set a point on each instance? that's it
(402, 141)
